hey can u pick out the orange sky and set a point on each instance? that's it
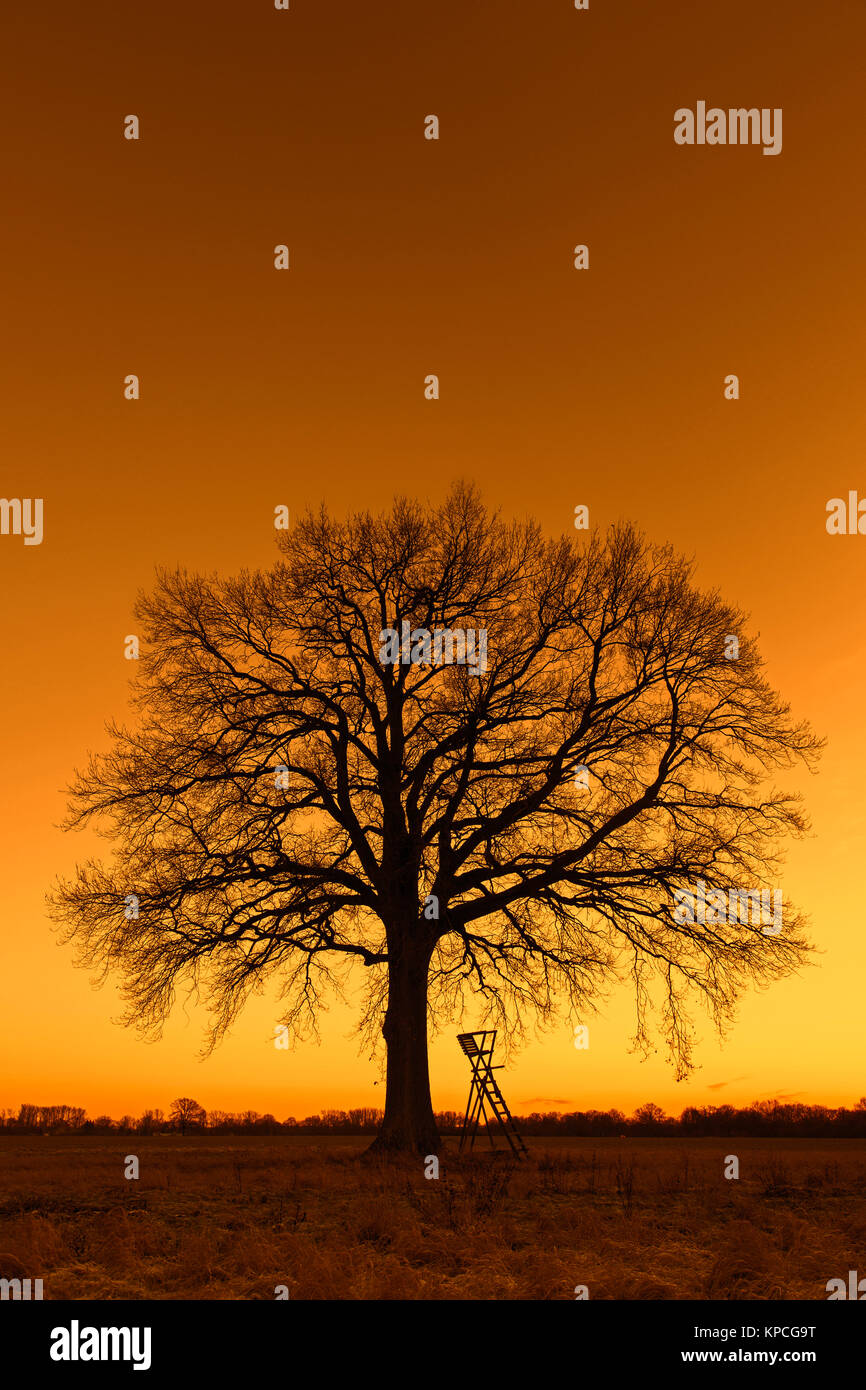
(558, 387)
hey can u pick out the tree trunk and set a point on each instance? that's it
(408, 1126)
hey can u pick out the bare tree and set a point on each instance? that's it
(292, 801)
(186, 1114)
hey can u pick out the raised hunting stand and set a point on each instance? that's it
(484, 1094)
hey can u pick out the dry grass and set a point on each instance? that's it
(223, 1218)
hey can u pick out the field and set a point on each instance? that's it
(217, 1217)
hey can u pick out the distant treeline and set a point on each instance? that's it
(764, 1118)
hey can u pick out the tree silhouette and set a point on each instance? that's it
(289, 803)
(185, 1112)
